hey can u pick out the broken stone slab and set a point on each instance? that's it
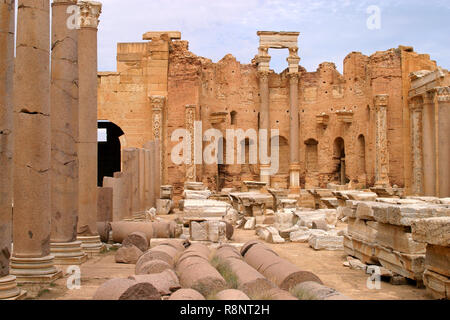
(362, 229)
(285, 219)
(163, 206)
(166, 192)
(437, 259)
(196, 195)
(356, 264)
(326, 242)
(302, 236)
(362, 196)
(217, 231)
(269, 220)
(198, 231)
(434, 231)
(285, 233)
(387, 192)
(186, 295)
(206, 208)
(445, 201)
(410, 266)
(437, 285)
(364, 251)
(126, 289)
(320, 224)
(274, 236)
(288, 204)
(165, 282)
(250, 223)
(137, 239)
(433, 200)
(195, 186)
(398, 238)
(306, 218)
(405, 215)
(330, 203)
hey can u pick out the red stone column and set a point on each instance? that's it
(31, 261)
(64, 124)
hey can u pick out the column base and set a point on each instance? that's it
(34, 270)
(68, 253)
(9, 289)
(294, 178)
(91, 245)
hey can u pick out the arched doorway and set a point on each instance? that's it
(109, 151)
(339, 158)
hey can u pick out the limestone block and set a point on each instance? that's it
(366, 252)
(362, 229)
(437, 285)
(199, 195)
(437, 259)
(306, 218)
(250, 224)
(206, 208)
(331, 217)
(434, 231)
(216, 231)
(399, 239)
(326, 242)
(128, 255)
(320, 224)
(362, 196)
(285, 233)
(364, 211)
(410, 266)
(105, 204)
(274, 236)
(163, 206)
(445, 201)
(269, 220)
(199, 231)
(284, 219)
(405, 215)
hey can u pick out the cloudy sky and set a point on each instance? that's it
(329, 29)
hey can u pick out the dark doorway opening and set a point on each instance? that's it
(109, 157)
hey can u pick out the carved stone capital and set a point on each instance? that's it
(381, 100)
(293, 76)
(441, 94)
(89, 14)
(264, 75)
(157, 102)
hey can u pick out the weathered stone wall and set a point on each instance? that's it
(220, 90)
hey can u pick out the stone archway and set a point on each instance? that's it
(109, 149)
(339, 159)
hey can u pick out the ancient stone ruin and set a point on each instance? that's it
(354, 182)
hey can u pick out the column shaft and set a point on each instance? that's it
(429, 146)
(264, 120)
(6, 129)
(443, 104)
(382, 152)
(417, 148)
(31, 261)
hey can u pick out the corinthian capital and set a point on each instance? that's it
(89, 13)
(157, 102)
(381, 100)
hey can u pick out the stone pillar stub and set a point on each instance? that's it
(130, 165)
(158, 105)
(124, 197)
(381, 102)
(31, 261)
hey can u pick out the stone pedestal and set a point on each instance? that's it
(130, 165)
(294, 178)
(382, 152)
(91, 245)
(68, 253)
(9, 289)
(31, 261)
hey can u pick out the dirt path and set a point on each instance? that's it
(327, 265)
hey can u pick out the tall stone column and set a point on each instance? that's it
(382, 152)
(31, 261)
(294, 169)
(416, 109)
(8, 284)
(429, 145)
(64, 126)
(158, 104)
(264, 120)
(87, 133)
(442, 97)
(191, 172)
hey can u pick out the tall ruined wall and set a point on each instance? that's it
(229, 88)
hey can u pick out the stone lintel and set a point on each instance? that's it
(172, 35)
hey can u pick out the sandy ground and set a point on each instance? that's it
(327, 265)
